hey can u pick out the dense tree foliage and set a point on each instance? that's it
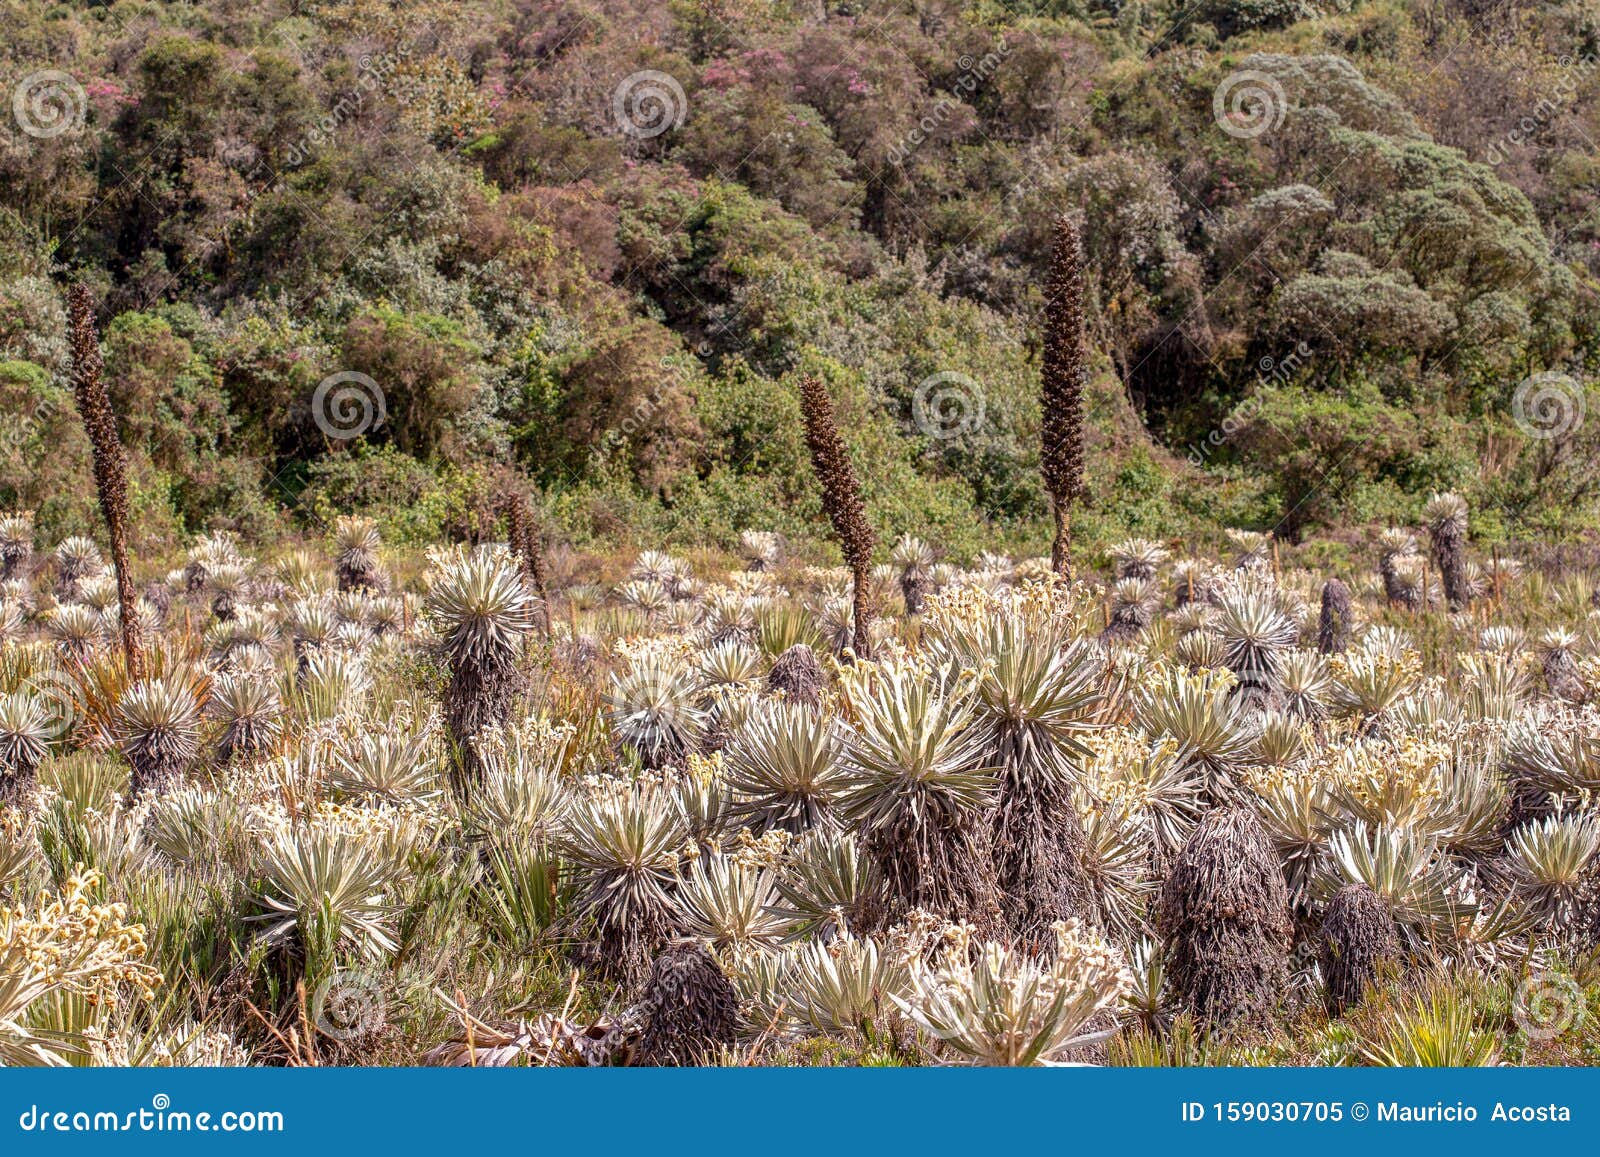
(601, 242)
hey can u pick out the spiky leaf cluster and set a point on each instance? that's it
(24, 742)
(251, 714)
(652, 709)
(322, 893)
(784, 767)
(157, 726)
(482, 610)
(624, 844)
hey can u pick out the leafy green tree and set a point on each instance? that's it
(44, 454)
(427, 371)
(1319, 448)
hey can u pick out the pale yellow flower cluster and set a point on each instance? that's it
(1115, 771)
(997, 1006)
(1035, 604)
(1283, 782)
(533, 740)
(764, 851)
(1407, 667)
(1085, 959)
(13, 824)
(185, 1045)
(66, 942)
(755, 584)
(1589, 675)
(923, 935)
(680, 648)
(1377, 775)
(822, 576)
(704, 768)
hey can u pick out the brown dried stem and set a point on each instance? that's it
(110, 472)
(841, 497)
(1061, 389)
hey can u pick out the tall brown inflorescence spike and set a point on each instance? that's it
(1061, 388)
(841, 497)
(526, 539)
(110, 475)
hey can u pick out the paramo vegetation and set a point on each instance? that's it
(429, 433)
(365, 805)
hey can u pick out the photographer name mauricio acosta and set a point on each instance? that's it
(1439, 1111)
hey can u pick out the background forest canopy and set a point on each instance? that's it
(360, 256)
